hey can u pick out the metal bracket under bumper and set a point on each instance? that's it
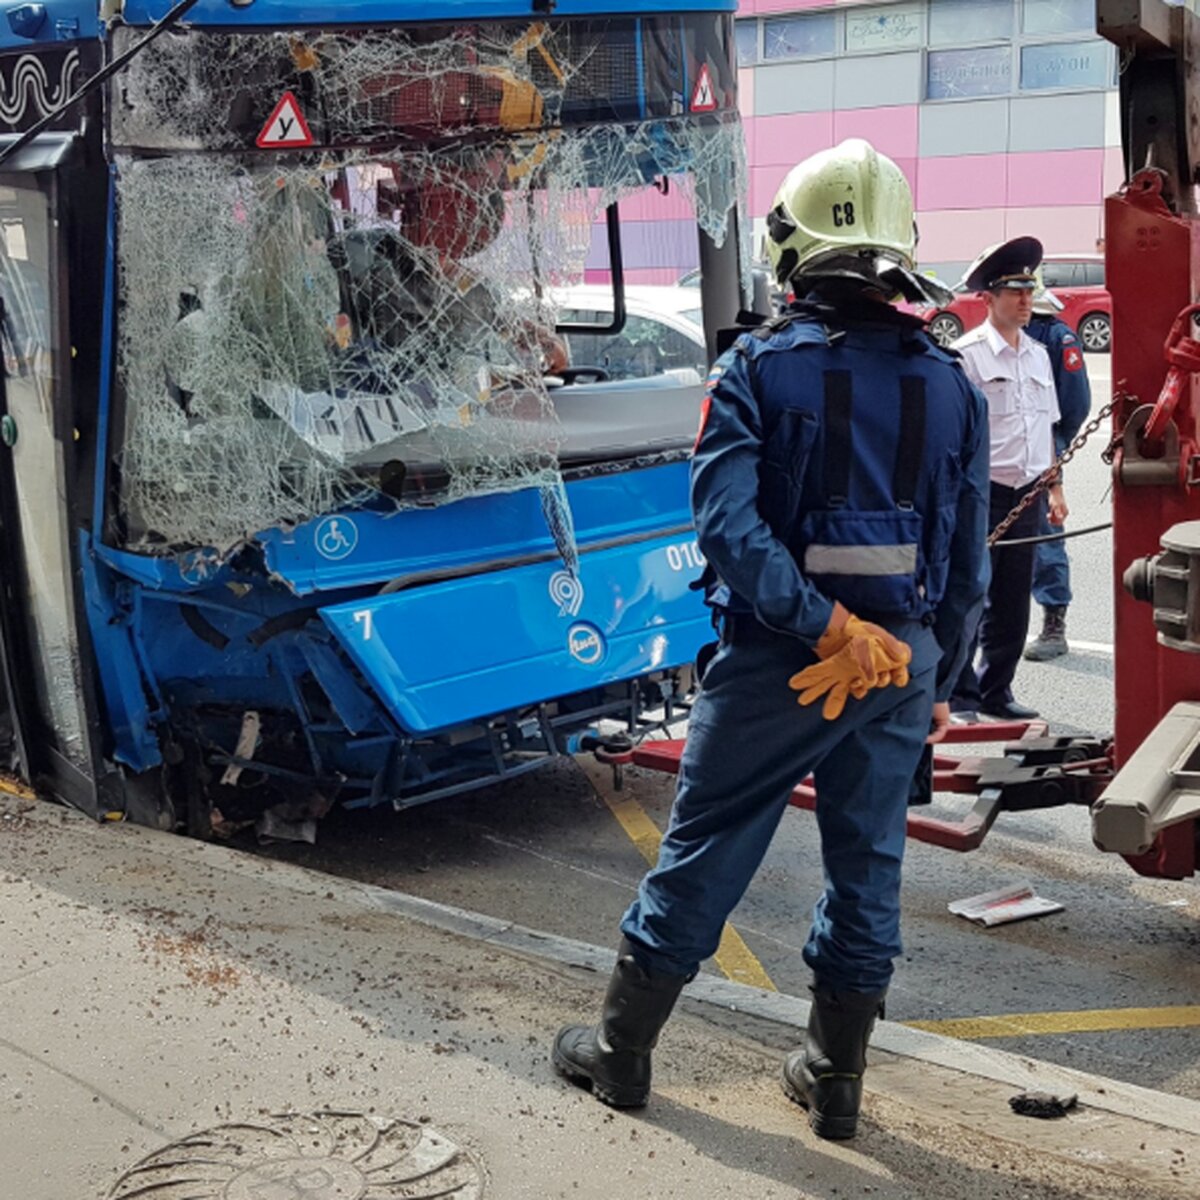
(1158, 787)
(1031, 778)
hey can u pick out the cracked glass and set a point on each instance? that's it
(984, 71)
(375, 322)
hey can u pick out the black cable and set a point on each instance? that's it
(96, 80)
(1049, 537)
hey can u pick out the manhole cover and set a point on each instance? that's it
(313, 1156)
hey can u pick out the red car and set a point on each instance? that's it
(1077, 280)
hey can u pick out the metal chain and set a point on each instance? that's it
(1050, 476)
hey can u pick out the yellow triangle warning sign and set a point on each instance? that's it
(286, 127)
(704, 97)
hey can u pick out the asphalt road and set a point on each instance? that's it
(546, 851)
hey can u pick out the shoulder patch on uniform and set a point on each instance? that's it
(705, 409)
(1072, 358)
(710, 384)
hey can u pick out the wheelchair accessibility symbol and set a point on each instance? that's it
(336, 537)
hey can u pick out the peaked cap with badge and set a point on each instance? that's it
(1012, 264)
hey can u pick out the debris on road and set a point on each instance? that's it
(1045, 1105)
(1013, 903)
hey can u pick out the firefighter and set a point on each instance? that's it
(1051, 568)
(839, 490)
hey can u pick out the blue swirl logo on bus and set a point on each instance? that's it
(586, 644)
(566, 590)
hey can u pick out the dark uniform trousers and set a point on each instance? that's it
(1005, 622)
(749, 744)
(799, 501)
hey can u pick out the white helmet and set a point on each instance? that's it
(847, 211)
(1045, 302)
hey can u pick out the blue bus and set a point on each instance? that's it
(320, 484)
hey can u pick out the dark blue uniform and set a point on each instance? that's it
(1052, 572)
(843, 456)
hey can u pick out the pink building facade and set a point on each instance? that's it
(1002, 113)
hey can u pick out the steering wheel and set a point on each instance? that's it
(575, 374)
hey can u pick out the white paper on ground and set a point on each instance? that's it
(1012, 903)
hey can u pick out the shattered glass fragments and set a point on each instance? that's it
(961, 22)
(365, 322)
(1058, 16)
(798, 37)
(984, 71)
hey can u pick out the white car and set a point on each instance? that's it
(663, 331)
(633, 392)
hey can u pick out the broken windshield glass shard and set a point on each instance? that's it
(293, 331)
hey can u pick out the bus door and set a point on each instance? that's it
(44, 688)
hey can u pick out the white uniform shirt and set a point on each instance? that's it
(1022, 402)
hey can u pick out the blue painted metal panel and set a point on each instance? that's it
(28, 25)
(351, 549)
(367, 547)
(130, 719)
(380, 12)
(463, 649)
(179, 574)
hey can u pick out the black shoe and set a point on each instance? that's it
(964, 716)
(1052, 641)
(613, 1058)
(826, 1076)
(1008, 710)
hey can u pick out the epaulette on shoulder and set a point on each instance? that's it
(797, 328)
(774, 325)
(972, 336)
(938, 351)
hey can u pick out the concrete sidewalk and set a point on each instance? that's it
(153, 987)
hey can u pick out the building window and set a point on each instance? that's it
(1067, 65)
(1058, 16)
(986, 71)
(799, 37)
(746, 33)
(958, 22)
(897, 27)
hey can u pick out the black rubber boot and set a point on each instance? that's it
(826, 1076)
(1052, 641)
(614, 1056)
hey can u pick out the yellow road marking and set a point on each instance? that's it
(1089, 1021)
(733, 956)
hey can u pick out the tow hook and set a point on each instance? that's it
(615, 749)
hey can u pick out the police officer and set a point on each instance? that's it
(1051, 568)
(839, 489)
(1013, 371)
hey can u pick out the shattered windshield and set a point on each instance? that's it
(365, 321)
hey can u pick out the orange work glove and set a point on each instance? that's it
(891, 664)
(855, 657)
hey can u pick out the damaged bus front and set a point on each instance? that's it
(324, 486)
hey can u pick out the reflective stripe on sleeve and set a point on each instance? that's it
(861, 560)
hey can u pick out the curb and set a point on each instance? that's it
(705, 995)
